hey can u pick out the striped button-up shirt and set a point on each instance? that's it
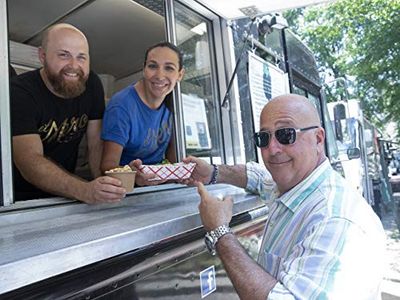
(322, 240)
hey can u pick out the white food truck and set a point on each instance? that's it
(150, 245)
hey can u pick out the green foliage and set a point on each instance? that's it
(358, 40)
(293, 17)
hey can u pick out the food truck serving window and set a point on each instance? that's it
(199, 93)
(114, 56)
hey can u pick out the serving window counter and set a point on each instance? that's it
(148, 246)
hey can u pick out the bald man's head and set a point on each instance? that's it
(298, 104)
(65, 58)
(292, 139)
(58, 29)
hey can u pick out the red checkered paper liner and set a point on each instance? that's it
(173, 171)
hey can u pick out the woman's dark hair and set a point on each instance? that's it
(170, 46)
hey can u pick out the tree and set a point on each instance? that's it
(358, 40)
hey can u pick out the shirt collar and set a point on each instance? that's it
(294, 197)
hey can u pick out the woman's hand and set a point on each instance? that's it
(143, 179)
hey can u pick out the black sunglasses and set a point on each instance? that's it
(284, 136)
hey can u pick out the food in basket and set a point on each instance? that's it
(125, 168)
(125, 174)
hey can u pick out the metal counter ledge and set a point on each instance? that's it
(42, 242)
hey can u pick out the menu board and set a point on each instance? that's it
(266, 81)
(197, 133)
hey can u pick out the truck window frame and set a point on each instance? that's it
(6, 194)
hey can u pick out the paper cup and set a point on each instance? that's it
(127, 179)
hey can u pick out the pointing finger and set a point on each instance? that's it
(201, 189)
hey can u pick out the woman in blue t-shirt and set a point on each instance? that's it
(137, 124)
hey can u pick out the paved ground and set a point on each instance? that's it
(391, 284)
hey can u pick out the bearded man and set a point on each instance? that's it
(51, 109)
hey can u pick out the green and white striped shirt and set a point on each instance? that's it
(322, 240)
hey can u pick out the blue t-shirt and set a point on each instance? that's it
(143, 132)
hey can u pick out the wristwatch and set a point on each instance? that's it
(212, 237)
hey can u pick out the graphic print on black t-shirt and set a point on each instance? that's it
(68, 130)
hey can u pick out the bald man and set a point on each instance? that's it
(51, 109)
(321, 241)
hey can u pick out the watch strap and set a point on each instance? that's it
(212, 237)
(219, 232)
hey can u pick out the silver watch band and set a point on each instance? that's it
(212, 237)
(220, 231)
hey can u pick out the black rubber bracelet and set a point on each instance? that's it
(214, 176)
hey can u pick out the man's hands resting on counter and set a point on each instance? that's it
(49, 177)
(104, 189)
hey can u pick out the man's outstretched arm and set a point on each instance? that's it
(204, 172)
(48, 176)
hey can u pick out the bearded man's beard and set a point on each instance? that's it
(65, 88)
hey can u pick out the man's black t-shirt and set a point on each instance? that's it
(61, 123)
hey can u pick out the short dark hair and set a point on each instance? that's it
(170, 46)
